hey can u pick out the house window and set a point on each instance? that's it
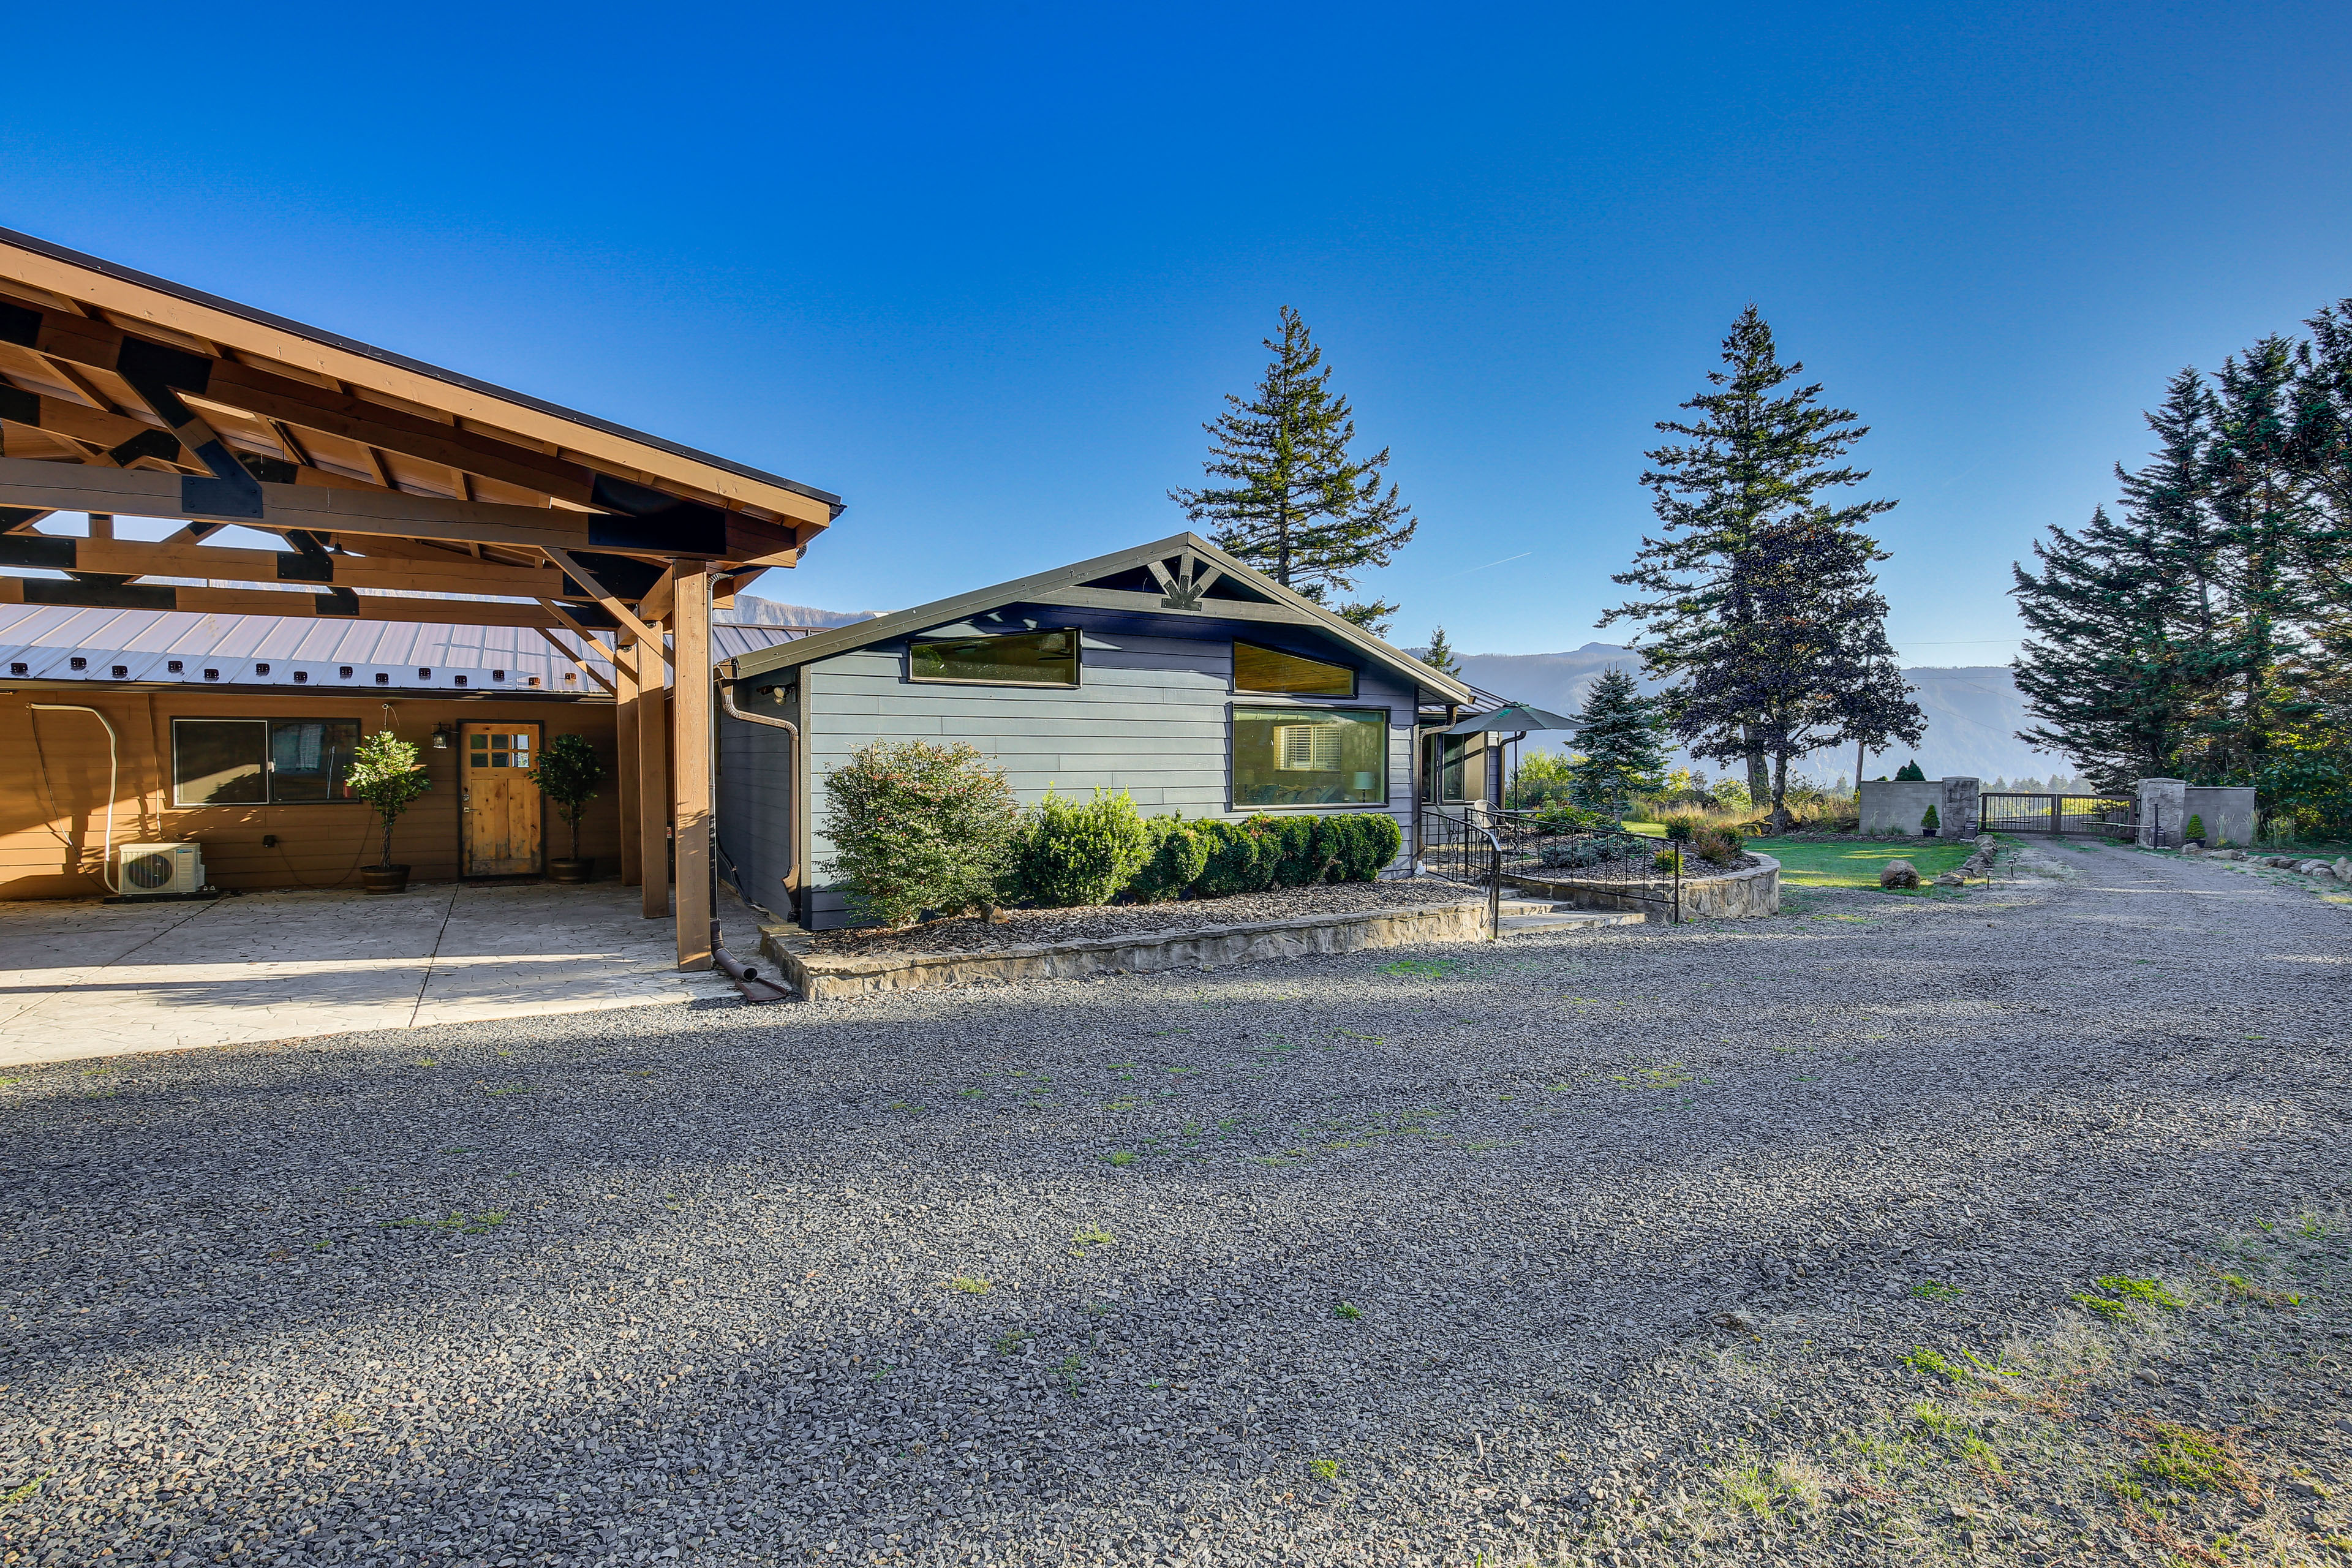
(1310, 756)
(1259, 668)
(1449, 767)
(1022, 658)
(260, 762)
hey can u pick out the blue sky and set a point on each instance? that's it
(985, 274)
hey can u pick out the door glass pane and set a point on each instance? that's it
(308, 758)
(219, 762)
(1309, 756)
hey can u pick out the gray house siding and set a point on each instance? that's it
(755, 792)
(1150, 716)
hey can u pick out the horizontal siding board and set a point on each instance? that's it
(1150, 716)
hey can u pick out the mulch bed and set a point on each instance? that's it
(1035, 928)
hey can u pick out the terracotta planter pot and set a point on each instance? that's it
(384, 879)
(570, 870)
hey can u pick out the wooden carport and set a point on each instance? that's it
(126, 394)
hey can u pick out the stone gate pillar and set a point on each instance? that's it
(2163, 811)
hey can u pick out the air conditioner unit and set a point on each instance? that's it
(153, 870)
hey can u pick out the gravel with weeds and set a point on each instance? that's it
(1764, 1240)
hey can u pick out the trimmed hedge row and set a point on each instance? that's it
(1066, 854)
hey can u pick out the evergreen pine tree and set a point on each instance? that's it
(1617, 732)
(2100, 667)
(1439, 654)
(1762, 610)
(1301, 509)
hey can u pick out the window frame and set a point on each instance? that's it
(1233, 675)
(907, 675)
(268, 763)
(1385, 772)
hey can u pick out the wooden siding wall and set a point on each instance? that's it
(1149, 716)
(53, 793)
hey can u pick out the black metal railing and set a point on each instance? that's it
(1486, 848)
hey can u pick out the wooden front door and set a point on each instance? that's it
(497, 802)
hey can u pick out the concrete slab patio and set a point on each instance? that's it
(90, 979)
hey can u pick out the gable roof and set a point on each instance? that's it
(477, 419)
(1269, 601)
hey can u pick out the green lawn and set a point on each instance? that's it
(1805, 863)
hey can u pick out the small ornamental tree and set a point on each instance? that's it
(1928, 821)
(2196, 827)
(918, 826)
(387, 773)
(568, 774)
(1617, 732)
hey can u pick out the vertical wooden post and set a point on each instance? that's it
(624, 763)
(653, 782)
(690, 622)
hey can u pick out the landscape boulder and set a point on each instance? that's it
(1951, 879)
(1899, 874)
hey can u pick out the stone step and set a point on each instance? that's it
(1578, 919)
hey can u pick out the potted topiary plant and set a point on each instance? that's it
(1930, 827)
(568, 774)
(2196, 836)
(386, 773)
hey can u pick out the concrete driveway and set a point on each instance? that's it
(90, 979)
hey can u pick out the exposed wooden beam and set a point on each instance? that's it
(560, 646)
(655, 604)
(321, 508)
(163, 558)
(691, 624)
(653, 785)
(335, 605)
(625, 759)
(613, 606)
(572, 625)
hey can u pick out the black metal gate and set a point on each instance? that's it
(2085, 815)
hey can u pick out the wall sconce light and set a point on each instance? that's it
(440, 737)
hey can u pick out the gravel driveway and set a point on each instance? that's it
(1394, 1257)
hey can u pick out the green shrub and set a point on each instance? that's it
(1929, 822)
(1298, 858)
(1910, 773)
(1667, 860)
(1241, 857)
(1372, 842)
(2196, 827)
(918, 826)
(1719, 845)
(1069, 855)
(1175, 854)
(1682, 825)
(1566, 818)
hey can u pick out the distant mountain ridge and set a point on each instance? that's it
(1973, 712)
(753, 611)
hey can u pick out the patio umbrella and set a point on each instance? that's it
(1515, 719)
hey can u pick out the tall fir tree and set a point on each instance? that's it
(1617, 732)
(1761, 611)
(2101, 666)
(1299, 508)
(1439, 654)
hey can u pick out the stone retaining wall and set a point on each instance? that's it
(820, 977)
(1741, 895)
